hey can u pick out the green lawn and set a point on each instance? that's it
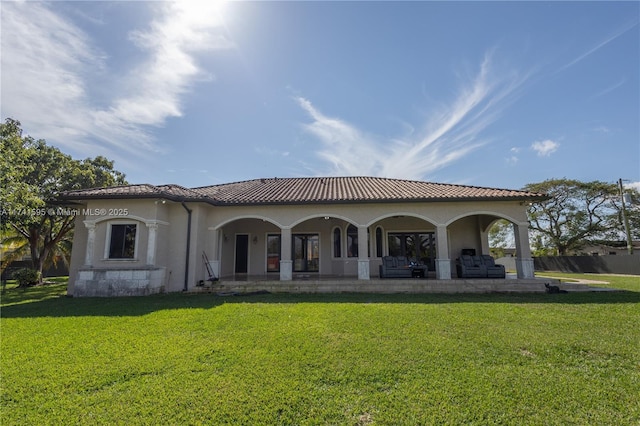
(320, 359)
(629, 283)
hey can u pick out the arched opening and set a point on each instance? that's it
(405, 235)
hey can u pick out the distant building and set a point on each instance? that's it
(607, 248)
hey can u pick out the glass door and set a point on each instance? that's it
(306, 253)
(242, 254)
(419, 246)
(273, 253)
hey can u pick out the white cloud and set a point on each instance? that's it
(41, 56)
(545, 148)
(49, 64)
(157, 85)
(449, 134)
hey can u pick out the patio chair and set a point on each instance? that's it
(470, 267)
(493, 270)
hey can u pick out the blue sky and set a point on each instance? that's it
(496, 94)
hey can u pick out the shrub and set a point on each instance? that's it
(26, 277)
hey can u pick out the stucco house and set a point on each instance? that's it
(143, 239)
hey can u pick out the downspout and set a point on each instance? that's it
(186, 262)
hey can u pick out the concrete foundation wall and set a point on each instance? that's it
(119, 282)
(390, 286)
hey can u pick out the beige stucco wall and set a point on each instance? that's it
(369, 213)
(171, 221)
(214, 229)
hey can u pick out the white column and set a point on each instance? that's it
(363, 254)
(524, 261)
(151, 242)
(286, 265)
(484, 241)
(91, 239)
(214, 260)
(443, 263)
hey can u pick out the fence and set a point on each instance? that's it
(609, 264)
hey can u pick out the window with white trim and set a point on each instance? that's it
(122, 241)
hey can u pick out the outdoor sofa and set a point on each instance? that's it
(396, 267)
(483, 266)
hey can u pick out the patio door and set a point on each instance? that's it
(414, 245)
(242, 254)
(306, 253)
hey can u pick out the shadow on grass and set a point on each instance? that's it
(29, 305)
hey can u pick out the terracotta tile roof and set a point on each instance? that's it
(171, 192)
(309, 190)
(349, 189)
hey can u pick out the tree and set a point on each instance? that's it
(501, 237)
(32, 174)
(575, 214)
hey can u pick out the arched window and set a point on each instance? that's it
(378, 242)
(337, 243)
(352, 241)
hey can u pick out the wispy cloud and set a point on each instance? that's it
(545, 148)
(600, 45)
(157, 85)
(42, 55)
(450, 133)
(49, 65)
(608, 89)
(345, 148)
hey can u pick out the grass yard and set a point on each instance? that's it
(321, 359)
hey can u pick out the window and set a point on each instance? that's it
(337, 243)
(352, 241)
(122, 244)
(273, 253)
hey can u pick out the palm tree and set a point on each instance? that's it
(15, 246)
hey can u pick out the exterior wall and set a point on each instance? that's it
(77, 253)
(174, 247)
(464, 233)
(166, 272)
(214, 230)
(367, 214)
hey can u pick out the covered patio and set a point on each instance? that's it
(350, 242)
